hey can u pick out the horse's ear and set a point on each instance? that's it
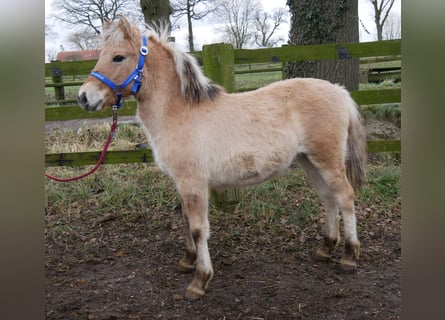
(106, 23)
(125, 26)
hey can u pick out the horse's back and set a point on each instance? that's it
(317, 107)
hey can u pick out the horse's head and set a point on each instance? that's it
(114, 76)
(169, 71)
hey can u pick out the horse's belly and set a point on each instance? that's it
(247, 169)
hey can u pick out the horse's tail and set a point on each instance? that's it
(356, 156)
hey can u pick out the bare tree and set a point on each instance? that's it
(266, 24)
(91, 13)
(239, 19)
(51, 56)
(85, 39)
(49, 32)
(392, 28)
(381, 12)
(192, 10)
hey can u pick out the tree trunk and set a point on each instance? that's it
(379, 28)
(156, 12)
(379, 33)
(190, 27)
(325, 22)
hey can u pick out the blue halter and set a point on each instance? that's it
(136, 75)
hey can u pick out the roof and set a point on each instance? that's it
(78, 55)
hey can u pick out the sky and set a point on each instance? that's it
(205, 33)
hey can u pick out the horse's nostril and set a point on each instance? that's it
(82, 98)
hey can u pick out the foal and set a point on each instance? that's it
(203, 137)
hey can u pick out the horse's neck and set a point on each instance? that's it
(154, 107)
(151, 113)
(160, 97)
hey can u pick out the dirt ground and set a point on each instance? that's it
(128, 271)
(126, 268)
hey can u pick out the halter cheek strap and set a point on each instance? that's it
(135, 76)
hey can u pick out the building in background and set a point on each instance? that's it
(78, 55)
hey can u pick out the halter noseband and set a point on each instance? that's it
(136, 75)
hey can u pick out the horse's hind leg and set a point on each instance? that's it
(332, 232)
(345, 198)
(336, 188)
(195, 208)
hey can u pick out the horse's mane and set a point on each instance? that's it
(195, 87)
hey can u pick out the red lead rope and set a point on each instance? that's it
(101, 158)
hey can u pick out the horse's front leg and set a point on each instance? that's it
(195, 210)
(187, 263)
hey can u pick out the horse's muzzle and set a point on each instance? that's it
(86, 105)
(82, 99)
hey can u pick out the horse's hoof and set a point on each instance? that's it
(322, 254)
(194, 292)
(348, 262)
(348, 265)
(185, 266)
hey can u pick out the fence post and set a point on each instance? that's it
(57, 78)
(219, 65)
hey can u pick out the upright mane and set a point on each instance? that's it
(195, 86)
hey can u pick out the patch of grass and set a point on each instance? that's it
(273, 206)
(70, 92)
(88, 138)
(256, 80)
(114, 188)
(383, 64)
(383, 112)
(387, 84)
(382, 188)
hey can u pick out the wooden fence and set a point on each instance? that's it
(218, 64)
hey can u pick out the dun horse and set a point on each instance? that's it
(203, 137)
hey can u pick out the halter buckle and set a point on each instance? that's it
(119, 89)
(144, 50)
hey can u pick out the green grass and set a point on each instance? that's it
(70, 91)
(382, 191)
(387, 84)
(86, 138)
(383, 64)
(256, 80)
(383, 183)
(114, 188)
(384, 112)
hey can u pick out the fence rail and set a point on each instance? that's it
(319, 52)
(361, 97)
(145, 155)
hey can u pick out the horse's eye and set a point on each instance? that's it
(118, 58)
